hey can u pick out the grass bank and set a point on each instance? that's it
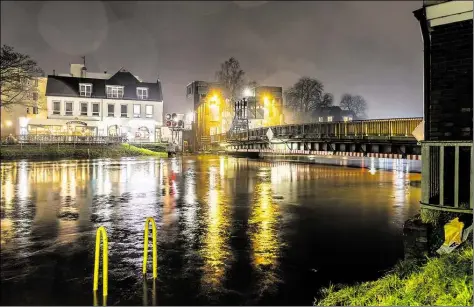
(13, 152)
(442, 281)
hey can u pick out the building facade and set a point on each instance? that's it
(447, 150)
(95, 104)
(214, 114)
(33, 106)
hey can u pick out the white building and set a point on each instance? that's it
(83, 103)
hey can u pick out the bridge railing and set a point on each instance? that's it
(445, 167)
(360, 129)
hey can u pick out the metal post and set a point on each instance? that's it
(456, 176)
(441, 175)
(471, 185)
(425, 171)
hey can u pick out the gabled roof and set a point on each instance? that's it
(69, 86)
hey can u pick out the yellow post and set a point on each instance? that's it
(101, 233)
(145, 246)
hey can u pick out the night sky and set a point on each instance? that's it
(371, 48)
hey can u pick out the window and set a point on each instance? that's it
(321, 119)
(35, 96)
(95, 109)
(142, 93)
(329, 118)
(56, 107)
(114, 91)
(110, 110)
(68, 108)
(85, 89)
(347, 118)
(124, 110)
(149, 111)
(84, 108)
(35, 82)
(136, 110)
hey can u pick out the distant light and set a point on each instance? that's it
(8, 123)
(23, 122)
(248, 92)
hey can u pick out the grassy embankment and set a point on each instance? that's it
(79, 151)
(435, 280)
(442, 281)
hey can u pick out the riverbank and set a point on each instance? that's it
(442, 281)
(13, 152)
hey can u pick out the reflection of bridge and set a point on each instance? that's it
(378, 138)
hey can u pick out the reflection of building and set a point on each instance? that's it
(82, 103)
(213, 114)
(33, 107)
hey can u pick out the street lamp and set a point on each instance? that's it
(247, 92)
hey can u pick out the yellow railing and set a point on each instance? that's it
(101, 233)
(145, 246)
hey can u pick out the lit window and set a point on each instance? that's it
(347, 118)
(142, 93)
(329, 118)
(68, 108)
(148, 111)
(85, 90)
(114, 91)
(110, 110)
(95, 109)
(83, 108)
(124, 110)
(136, 110)
(321, 119)
(56, 107)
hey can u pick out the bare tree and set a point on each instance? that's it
(327, 100)
(17, 78)
(231, 76)
(304, 97)
(356, 104)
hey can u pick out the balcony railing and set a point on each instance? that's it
(447, 176)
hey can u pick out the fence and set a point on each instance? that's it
(360, 129)
(447, 180)
(63, 139)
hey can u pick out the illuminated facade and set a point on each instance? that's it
(33, 107)
(213, 114)
(93, 104)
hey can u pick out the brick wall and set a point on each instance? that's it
(451, 108)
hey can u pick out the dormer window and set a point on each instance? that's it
(85, 89)
(114, 91)
(142, 93)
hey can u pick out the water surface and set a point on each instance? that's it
(230, 231)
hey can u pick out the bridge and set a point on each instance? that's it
(382, 138)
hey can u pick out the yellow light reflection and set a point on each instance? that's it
(264, 232)
(215, 253)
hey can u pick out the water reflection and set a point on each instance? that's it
(264, 234)
(226, 226)
(215, 251)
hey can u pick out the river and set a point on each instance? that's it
(231, 231)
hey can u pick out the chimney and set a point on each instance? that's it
(76, 70)
(83, 72)
(54, 72)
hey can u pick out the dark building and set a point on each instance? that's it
(447, 149)
(333, 114)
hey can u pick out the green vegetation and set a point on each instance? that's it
(70, 151)
(441, 281)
